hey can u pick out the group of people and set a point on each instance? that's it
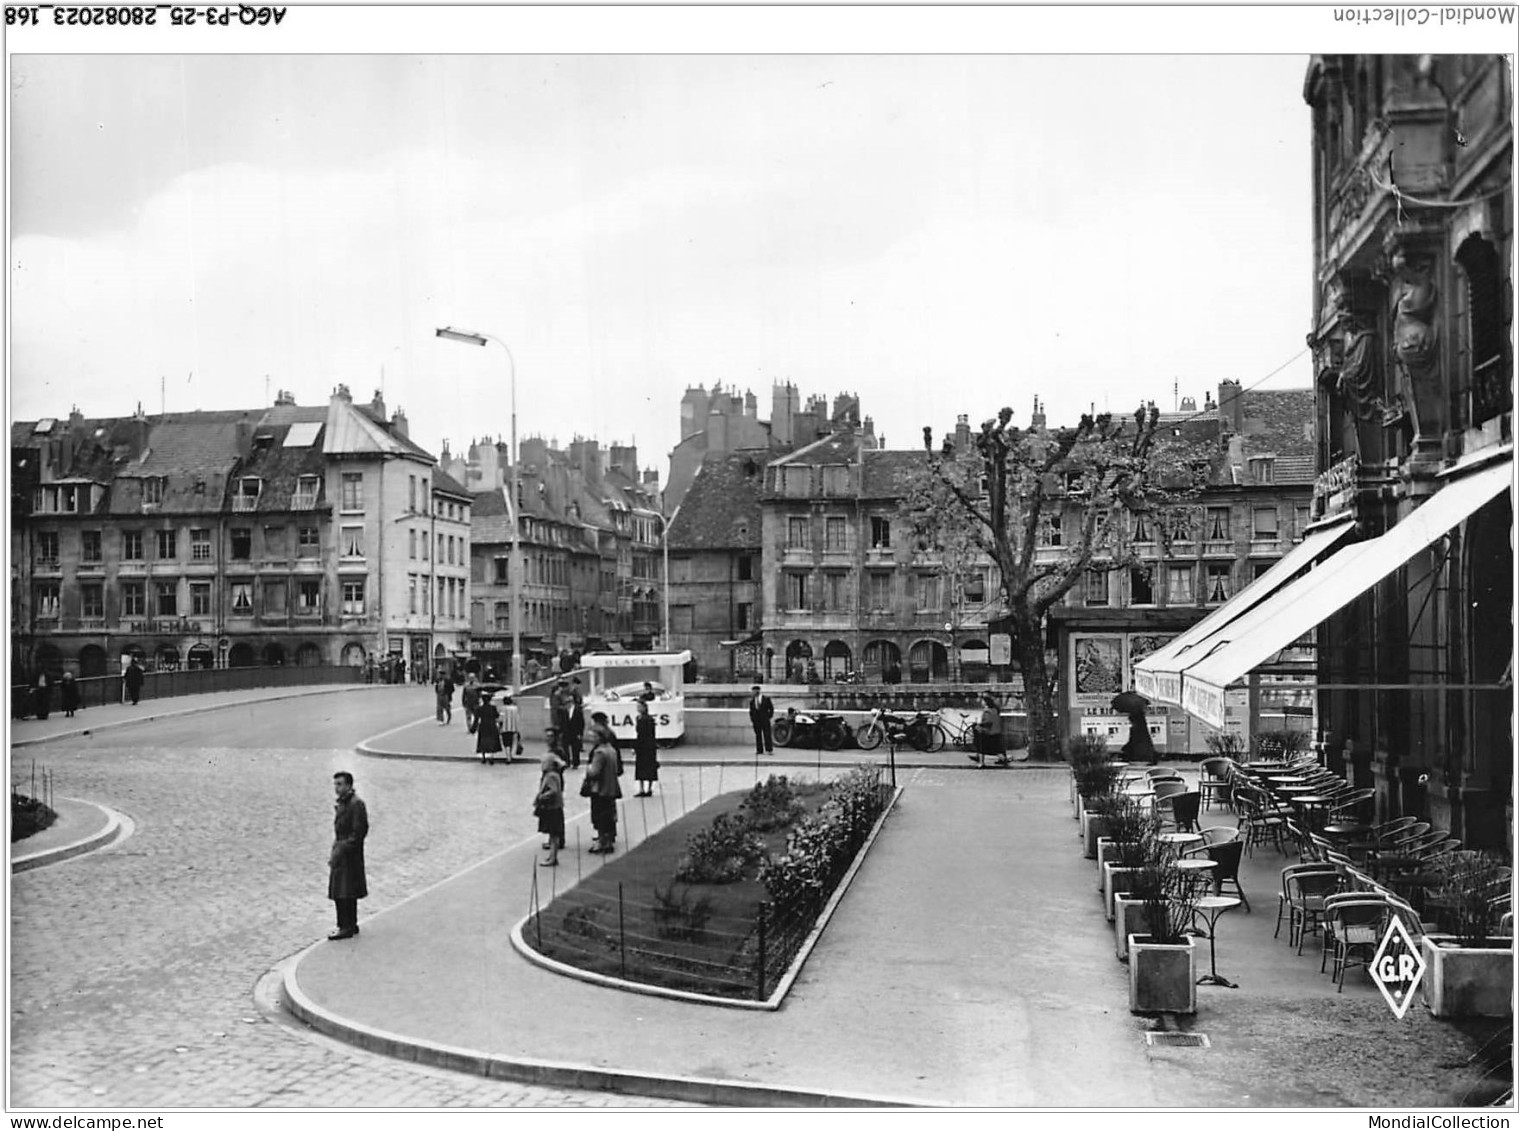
(497, 729)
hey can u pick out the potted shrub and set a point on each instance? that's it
(1469, 966)
(1092, 770)
(1162, 960)
(1130, 823)
(1096, 821)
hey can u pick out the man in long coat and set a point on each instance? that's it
(132, 677)
(761, 711)
(345, 865)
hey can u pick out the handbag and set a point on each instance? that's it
(588, 786)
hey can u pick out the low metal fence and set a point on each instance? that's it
(96, 691)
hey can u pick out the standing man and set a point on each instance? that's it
(761, 711)
(577, 719)
(559, 716)
(132, 677)
(445, 690)
(345, 865)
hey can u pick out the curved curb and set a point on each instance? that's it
(782, 988)
(117, 828)
(112, 724)
(552, 1074)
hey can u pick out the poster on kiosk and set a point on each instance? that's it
(617, 682)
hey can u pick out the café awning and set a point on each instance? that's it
(1249, 640)
(1158, 675)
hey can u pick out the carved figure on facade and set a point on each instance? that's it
(1415, 334)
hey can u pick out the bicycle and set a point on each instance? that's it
(958, 731)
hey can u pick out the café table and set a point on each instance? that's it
(1195, 870)
(1211, 907)
(1312, 805)
(1180, 840)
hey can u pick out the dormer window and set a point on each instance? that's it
(246, 498)
(306, 491)
(152, 492)
(1261, 469)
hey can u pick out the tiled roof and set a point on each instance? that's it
(887, 473)
(721, 509)
(442, 481)
(354, 430)
(280, 468)
(837, 447)
(1279, 423)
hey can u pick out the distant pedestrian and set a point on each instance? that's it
(548, 806)
(469, 698)
(1140, 748)
(577, 719)
(132, 677)
(68, 694)
(400, 669)
(345, 865)
(648, 694)
(444, 687)
(989, 732)
(761, 711)
(560, 706)
(487, 730)
(42, 694)
(602, 775)
(645, 752)
(511, 728)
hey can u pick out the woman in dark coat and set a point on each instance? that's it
(605, 769)
(548, 806)
(1140, 748)
(42, 694)
(68, 694)
(487, 730)
(645, 751)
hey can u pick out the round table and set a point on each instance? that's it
(1194, 869)
(1211, 907)
(1311, 803)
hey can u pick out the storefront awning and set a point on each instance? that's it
(1158, 675)
(1251, 639)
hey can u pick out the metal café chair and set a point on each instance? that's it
(1284, 897)
(1214, 782)
(1353, 929)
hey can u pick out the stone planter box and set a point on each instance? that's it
(1103, 848)
(1093, 827)
(1128, 919)
(1115, 882)
(1162, 976)
(1468, 981)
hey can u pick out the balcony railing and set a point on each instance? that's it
(303, 502)
(244, 504)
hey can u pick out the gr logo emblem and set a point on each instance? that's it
(1398, 967)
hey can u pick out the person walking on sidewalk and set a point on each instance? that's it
(444, 686)
(548, 806)
(68, 694)
(761, 711)
(345, 865)
(487, 730)
(132, 678)
(511, 727)
(645, 751)
(469, 699)
(989, 732)
(601, 783)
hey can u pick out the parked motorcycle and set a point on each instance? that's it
(850, 677)
(920, 730)
(808, 728)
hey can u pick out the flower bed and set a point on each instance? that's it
(721, 900)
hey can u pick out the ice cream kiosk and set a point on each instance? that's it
(617, 683)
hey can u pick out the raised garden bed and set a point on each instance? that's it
(633, 919)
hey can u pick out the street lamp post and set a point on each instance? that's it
(479, 340)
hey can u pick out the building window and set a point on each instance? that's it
(308, 597)
(1218, 524)
(1261, 470)
(90, 550)
(1218, 583)
(246, 498)
(353, 598)
(880, 532)
(92, 601)
(503, 616)
(166, 601)
(454, 545)
(835, 533)
(275, 603)
(836, 480)
(131, 546)
(930, 592)
(353, 491)
(1141, 591)
(796, 482)
(426, 597)
(439, 558)
(200, 545)
(353, 541)
(1142, 531)
(411, 545)
(797, 533)
(411, 593)
(152, 491)
(745, 567)
(168, 544)
(306, 490)
(200, 598)
(242, 598)
(47, 548)
(1300, 520)
(411, 503)
(48, 601)
(242, 543)
(1052, 530)
(836, 591)
(1096, 587)
(70, 497)
(743, 614)
(504, 573)
(308, 542)
(1264, 528)
(880, 591)
(1179, 585)
(133, 599)
(796, 591)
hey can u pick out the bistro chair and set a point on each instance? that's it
(1227, 856)
(1214, 782)
(1182, 809)
(1353, 929)
(1261, 819)
(1306, 892)
(1283, 899)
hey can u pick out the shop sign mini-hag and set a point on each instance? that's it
(1397, 967)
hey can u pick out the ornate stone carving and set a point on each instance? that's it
(1416, 336)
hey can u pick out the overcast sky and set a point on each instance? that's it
(939, 234)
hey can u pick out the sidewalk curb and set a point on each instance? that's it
(777, 996)
(114, 723)
(721, 1093)
(118, 828)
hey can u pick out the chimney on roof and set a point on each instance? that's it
(244, 437)
(1037, 420)
(76, 418)
(139, 414)
(962, 433)
(284, 397)
(341, 393)
(398, 424)
(378, 404)
(1231, 405)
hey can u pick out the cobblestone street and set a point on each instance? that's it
(133, 970)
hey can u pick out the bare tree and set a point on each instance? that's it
(1013, 487)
